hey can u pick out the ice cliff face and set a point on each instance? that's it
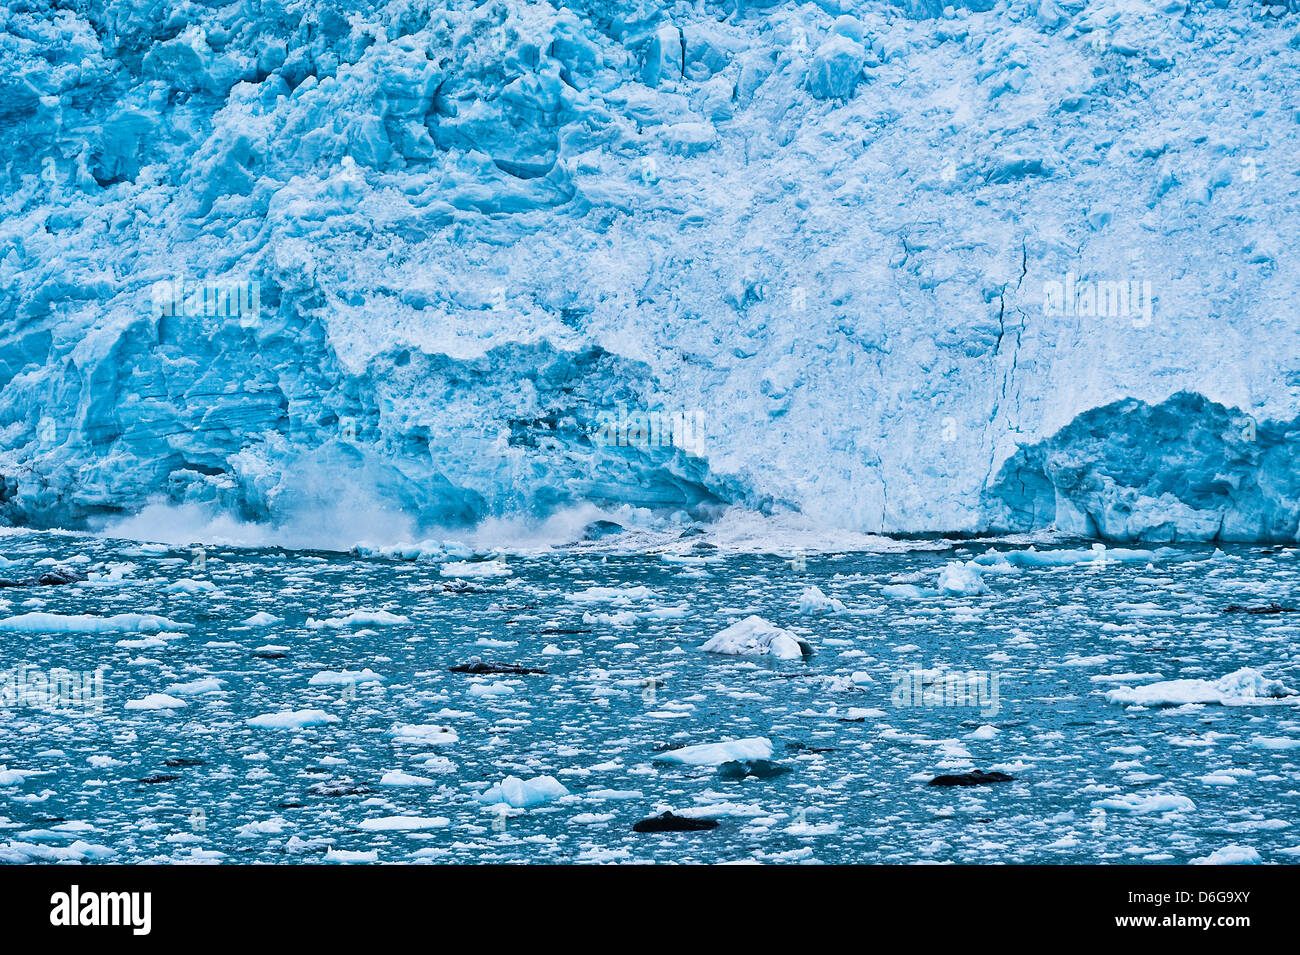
(918, 269)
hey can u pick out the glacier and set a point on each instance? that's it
(915, 267)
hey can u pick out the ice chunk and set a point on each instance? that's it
(398, 778)
(345, 677)
(715, 754)
(1230, 855)
(425, 734)
(381, 618)
(476, 569)
(1142, 805)
(156, 701)
(89, 623)
(404, 823)
(292, 719)
(1244, 687)
(836, 68)
(962, 580)
(755, 636)
(814, 601)
(522, 794)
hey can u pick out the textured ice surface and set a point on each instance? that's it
(880, 247)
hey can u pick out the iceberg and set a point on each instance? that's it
(755, 636)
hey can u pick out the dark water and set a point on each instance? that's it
(89, 778)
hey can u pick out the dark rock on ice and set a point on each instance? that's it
(476, 665)
(975, 778)
(338, 790)
(463, 587)
(667, 822)
(53, 578)
(758, 768)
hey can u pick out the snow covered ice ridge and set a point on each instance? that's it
(359, 273)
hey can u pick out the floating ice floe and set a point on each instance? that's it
(1143, 805)
(755, 636)
(1097, 555)
(345, 677)
(292, 719)
(188, 585)
(522, 794)
(195, 687)
(398, 778)
(613, 595)
(156, 701)
(89, 623)
(957, 579)
(78, 851)
(345, 856)
(263, 619)
(404, 823)
(814, 601)
(1244, 687)
(476, 569)
(962, 580)
(630, 618)
(715, 754)
(265, 827)
(11, 777)
(425, 734)
(381, 618)
(1230, 855)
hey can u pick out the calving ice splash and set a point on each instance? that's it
(1103, 298)
(650, 429)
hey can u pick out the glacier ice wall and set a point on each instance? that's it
(909, 260)
(1185, 469)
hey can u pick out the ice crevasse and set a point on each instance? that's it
(909, 266)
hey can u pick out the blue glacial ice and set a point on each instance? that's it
(364, 272)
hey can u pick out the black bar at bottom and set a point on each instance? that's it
(334, 905)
